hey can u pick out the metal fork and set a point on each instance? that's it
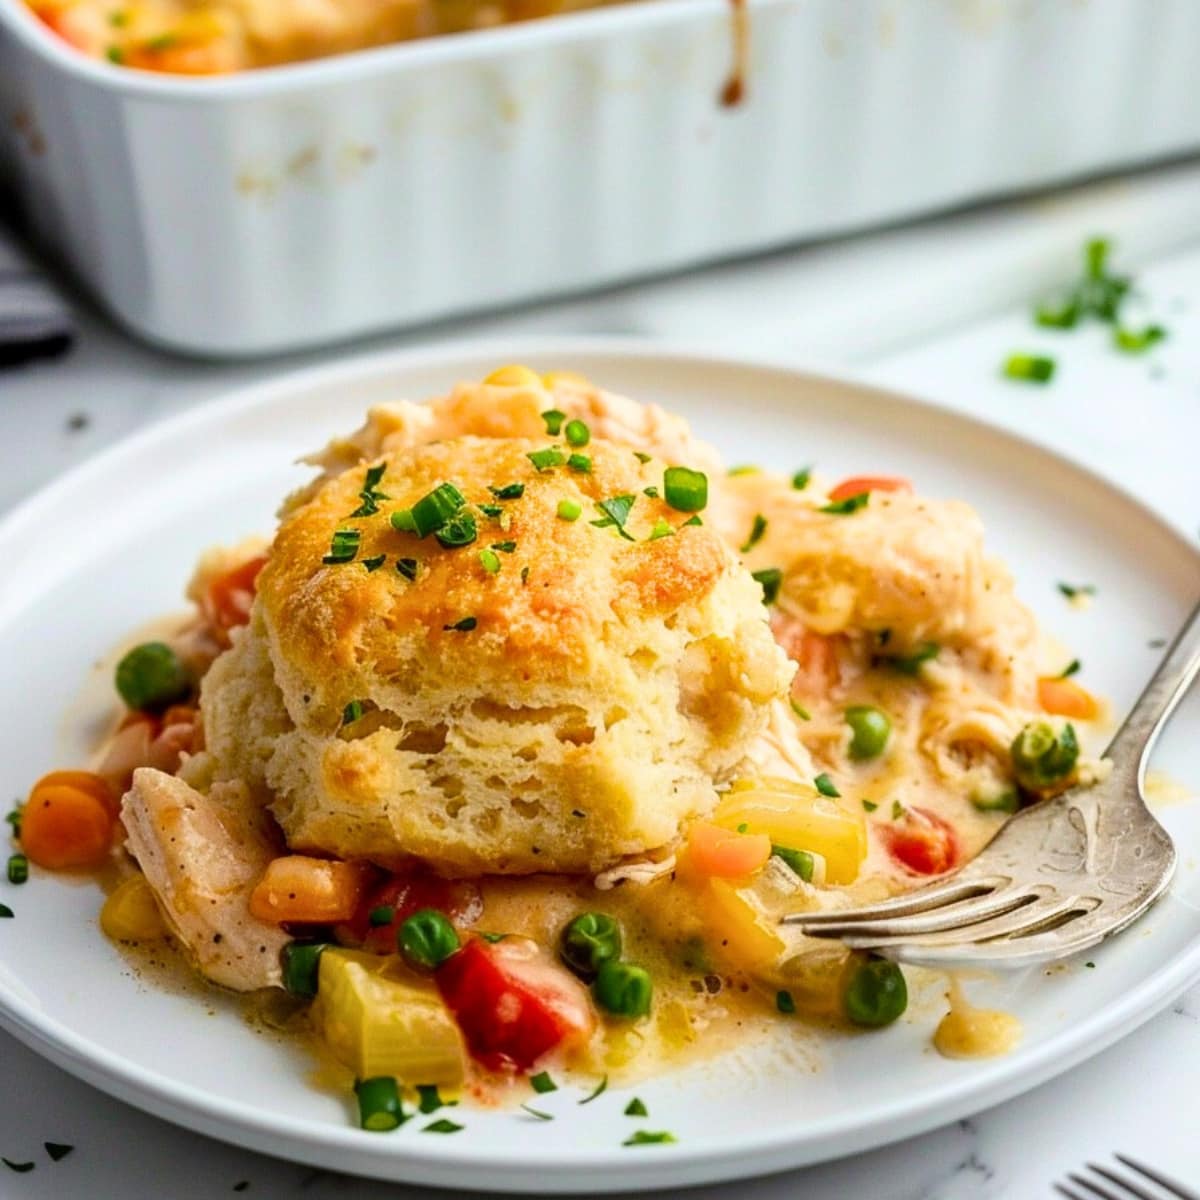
(1118, 1185)
(1061, 876)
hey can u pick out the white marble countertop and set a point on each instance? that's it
(1136, 420)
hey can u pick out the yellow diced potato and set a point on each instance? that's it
(797, 816)
(131, 913)
(377, 1022)
(514, 376)
(738, 926)
(815, 978)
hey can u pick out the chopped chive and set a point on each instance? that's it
(510, 491)
(756, 533)
(1065, 317)
(578, 434)
(771, 580)
(459, 531)
(379, 1106)
(373, 564)
(616, 512)
(800, 710)
(537, 1112)
(1070, 669)
(650, 491)
(870, 805)
(57, 1150)
(635, 1108)
(581, 463)
(430, 1099)
(435, 509)
(1029, 368)
(784, 1002)
(14, 819)
(115, 54)
(910, 664)
(1072, 590)
(643, 1138)
(1137, 341)
(1095, 254)
(524, 575)
(442, 1126)
(851, 504)
(380, 915)
(662, 529)
(554, 420)
(800, 861)
(744, 827)
(641, 456)
(744, 469)
(802, 478)
(542, 1083)
(463, 626)
(21, 1168)
(569, 510)
(692, 521)
(5, 911)
(301, 963)
(343, 546)
(370, 494)
(402, 521)
(504, 547)
(544, 460)
(489, 560)
(18, 868)
(492, 938)
(407, 567)
(492, 510)
(598, 1090)
(685, 490)
(825, 785)
(897, 810)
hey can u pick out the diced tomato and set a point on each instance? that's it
(230, 596)
(857, 484)
(406, 894)
(922, 842)
(815, 654)
(513, 1003)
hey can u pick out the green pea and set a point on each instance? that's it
(871, 728)
(151, 676)
(623, 989)
(875, 993)
(588, 942)
(427, 938)
(1042, 757)
(301, 964)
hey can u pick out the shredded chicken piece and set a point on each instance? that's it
(642, 872)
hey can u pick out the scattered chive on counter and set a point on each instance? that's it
(18, 868)
(635, 1108)
(596, 1092)
(6, 913)
(1029, 368)
(1071, 590)
(643, 1138)
(1072, 668)
(442, 1126)
(538, 1113)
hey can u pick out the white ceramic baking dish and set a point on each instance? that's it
(302, 204)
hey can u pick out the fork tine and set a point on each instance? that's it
(1095, 1188)
(923, 899)
(1002, 955)
(1063, 1190)
(1010, 924)
(1164, 1181)
(1132, 1188)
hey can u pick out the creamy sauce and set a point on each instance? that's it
(970, 1032)
(1161, 791)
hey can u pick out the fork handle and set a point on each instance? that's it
(1131, 746)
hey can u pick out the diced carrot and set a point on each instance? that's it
(179, 714)
(857, 484)
(309, 890)
(725, 853)
(230, 596)
(815, 654)
(83, 781)
(1065, 698)
(64, 826)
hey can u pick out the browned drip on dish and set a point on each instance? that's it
(734, 91)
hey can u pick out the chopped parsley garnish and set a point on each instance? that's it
(870, 805)
(554, 421)
(581, 463)
(771, 579)
(1070, 669)
(5, 911)
(1137, 341)
(616, 512)
(800, 710)
(460, 530)
(644, 1138)
(802, 478)
(374, 563)
(370, 494)
(851, 504)
(542, 1083)
(910, 664)
(661, 529)
(504, 547)
(352, 712)
(57, 1150)
(430, 1099)
(491, 510)
(1071, 590)
(569, 510)
(757, 529)
(537, 1112)
(685, 490)
(897, 810)
(432, 511)
(1029, 368)
(407, 567)
(463, 626)
(442, 1126)
(650, 491)
(598, 1090)
(641, 456)
(578, 434)
(18, 868)
(825, 785)
(635, 1108)
(785, 1002)
(489, 560)
(544, 460)
(21, 1168)
(343, 546)
(380, 915)
(800, 861)
(510, 491)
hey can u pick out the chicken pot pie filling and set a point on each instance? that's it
(506, 754)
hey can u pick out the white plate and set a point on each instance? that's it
(109, 546)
